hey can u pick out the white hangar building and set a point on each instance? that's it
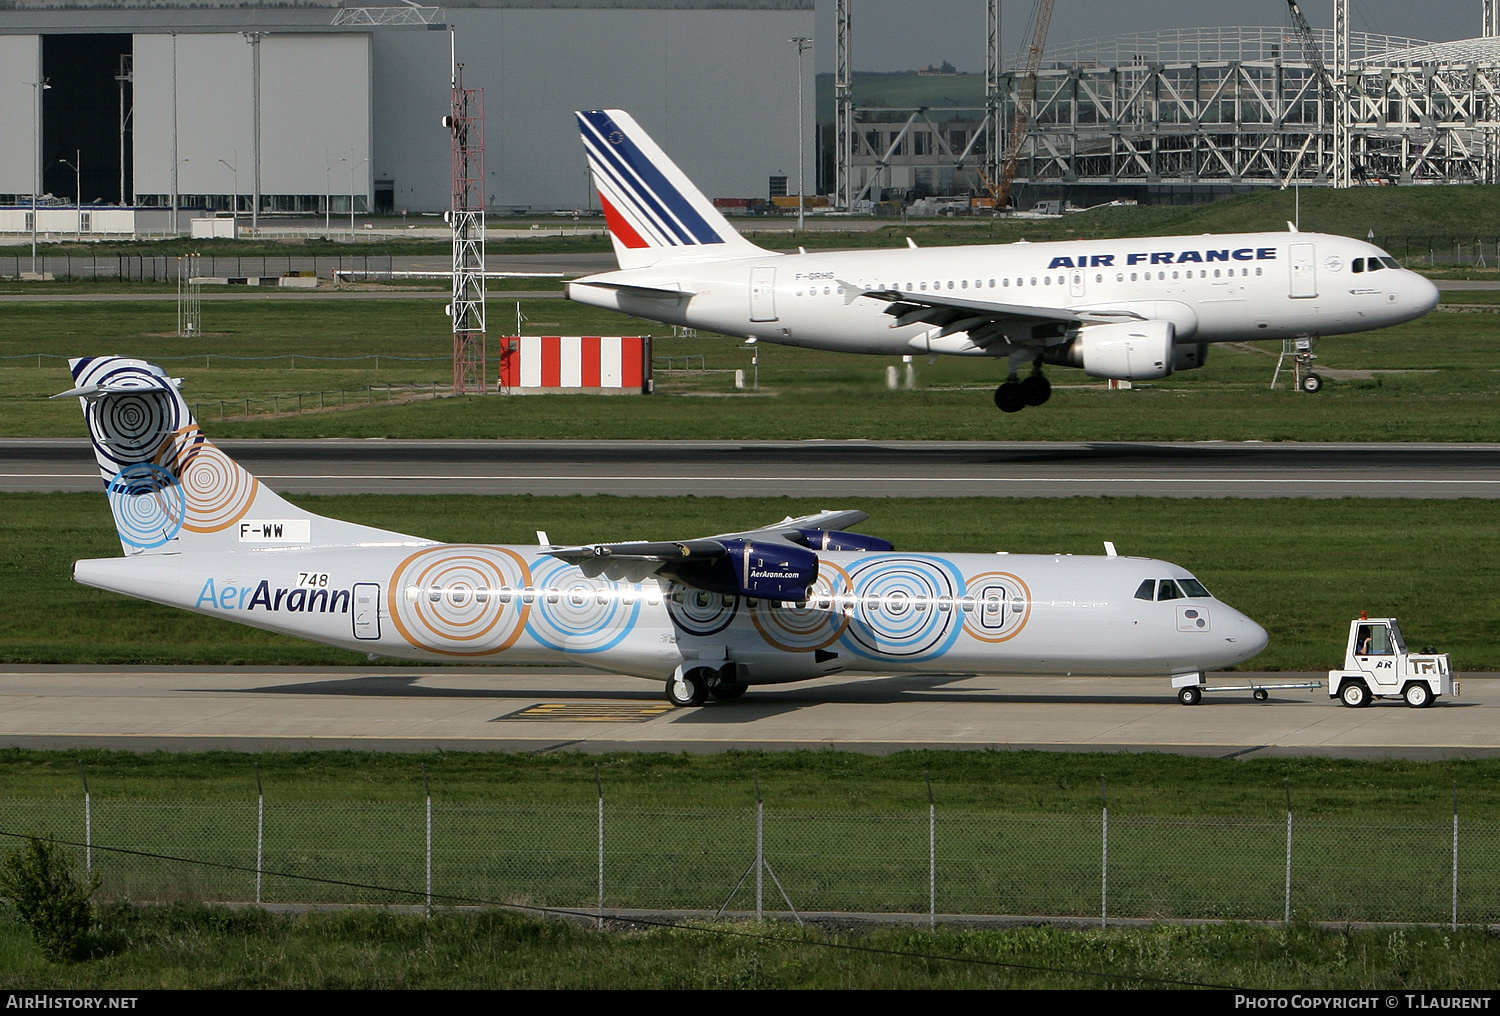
(351, 111)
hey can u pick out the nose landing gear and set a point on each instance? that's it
(1015, 395)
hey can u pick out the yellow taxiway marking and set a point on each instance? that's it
(589, 712)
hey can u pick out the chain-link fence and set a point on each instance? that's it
(143, 268)
(608, 857)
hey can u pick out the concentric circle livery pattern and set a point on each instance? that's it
(1002, 606)
(577, 614)
(218, 491)
(817, 624)
(126, 428)
(148, 505)
(460, 600)
(699, 612)
(902, 606)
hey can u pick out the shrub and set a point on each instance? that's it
(38, 881)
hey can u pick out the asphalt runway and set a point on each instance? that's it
(541, 709)
(830, 469)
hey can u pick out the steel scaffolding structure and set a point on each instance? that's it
(1391, 110)
(466, 217)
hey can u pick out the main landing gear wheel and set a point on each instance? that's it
(1355, 694)
(1260, 694)
(691, 688)
(1190, 695)
(725, 692)
(1036, 389)
(1418, 694)
(1010, 397)
(1312, 383)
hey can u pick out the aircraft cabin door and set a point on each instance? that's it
(1075, 282)
(367, 610)
(762, 294)
(1304, 271)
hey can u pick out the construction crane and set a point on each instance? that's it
(1310, 45)
(1041, 21)
(1343, 158)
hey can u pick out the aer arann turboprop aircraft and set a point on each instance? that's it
(1131, 309)
(712, 616)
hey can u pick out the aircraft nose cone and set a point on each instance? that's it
(1249, 637)
(1424, 295)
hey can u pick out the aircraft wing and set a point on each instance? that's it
(986, 322)
(680, 558)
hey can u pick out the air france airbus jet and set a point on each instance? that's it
(799, 599)
(1128, 309)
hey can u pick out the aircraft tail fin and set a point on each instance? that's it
(172, 490)
(655, 214)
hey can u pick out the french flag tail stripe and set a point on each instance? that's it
(626, 200)
(620, 227)
(628, 187)
(636, 177)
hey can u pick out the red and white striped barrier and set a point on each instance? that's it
(569, 363)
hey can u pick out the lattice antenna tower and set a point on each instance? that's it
(466, 217)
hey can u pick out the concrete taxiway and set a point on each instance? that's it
(564, 709)
(818, 468)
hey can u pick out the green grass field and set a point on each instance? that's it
(205, 947)
(1016, 832)
(1444, 386)
(1300, 568)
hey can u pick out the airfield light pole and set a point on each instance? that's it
(38, 86)
(234, 208)
(802, 43)
(253, 38)
(124, 77)
(77, 192)
(352, 172)
(175, 196)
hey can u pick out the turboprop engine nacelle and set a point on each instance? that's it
(768, 571)
(1130, 351)
(827, 539)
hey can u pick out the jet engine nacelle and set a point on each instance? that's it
(1129, 351)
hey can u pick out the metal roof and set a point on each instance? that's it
(1460, 51)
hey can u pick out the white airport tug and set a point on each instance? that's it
(1377, 664)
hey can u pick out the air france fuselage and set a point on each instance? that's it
(1212, 288)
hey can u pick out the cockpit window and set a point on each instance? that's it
(1147, 590)
(1168, 590)
(1376, 264)
(1391, 262)
(1192, 587)
(1358, 266)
